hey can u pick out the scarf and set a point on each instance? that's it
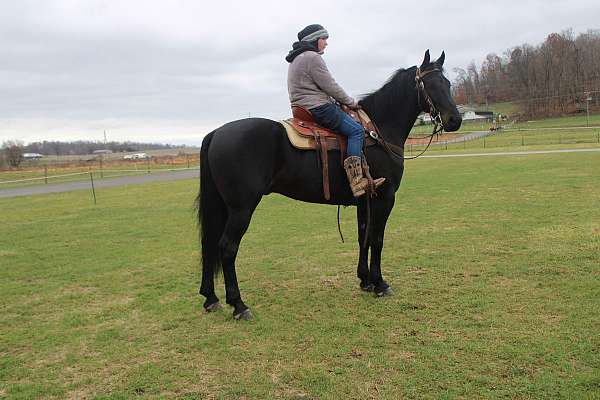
(299, 48)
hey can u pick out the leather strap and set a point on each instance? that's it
(325, 161)
(321, 148)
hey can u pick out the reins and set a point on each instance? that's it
(396, 152)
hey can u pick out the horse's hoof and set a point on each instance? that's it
(385, 292)
(245, 315)
(214, 307)
(369, 288)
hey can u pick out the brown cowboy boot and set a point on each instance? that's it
(358, 182)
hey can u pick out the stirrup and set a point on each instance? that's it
(372, 184)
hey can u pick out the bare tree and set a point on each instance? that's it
(13, 153)
(463, 87)
(474, 78)
(550, 79)
(493, 77)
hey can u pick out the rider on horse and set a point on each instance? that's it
(311, 86)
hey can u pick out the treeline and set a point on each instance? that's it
(559, 76)
(86, 147)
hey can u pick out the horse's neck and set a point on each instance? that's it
(397, 130)
(396, 122)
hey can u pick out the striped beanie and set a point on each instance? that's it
(312, 33)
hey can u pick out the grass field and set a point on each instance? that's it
(494, 262)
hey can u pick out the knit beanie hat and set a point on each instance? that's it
(312, 33)
(307, 41)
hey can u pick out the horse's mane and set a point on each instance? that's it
(382, 102)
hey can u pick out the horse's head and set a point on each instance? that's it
(434, 93)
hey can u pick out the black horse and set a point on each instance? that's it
(247, 159)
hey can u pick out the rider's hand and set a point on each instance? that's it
(354, 105)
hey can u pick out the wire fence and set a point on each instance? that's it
(85, 175)
(512, 139)
(67, 169)
(15, 188)
(508, 137)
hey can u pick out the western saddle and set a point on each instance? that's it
(305, 134)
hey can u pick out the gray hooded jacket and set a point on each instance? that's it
(311, 85)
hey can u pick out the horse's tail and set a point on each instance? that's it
(212, 214)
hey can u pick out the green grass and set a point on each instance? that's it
(494, 262)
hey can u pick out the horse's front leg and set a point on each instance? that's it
(381, 208)
(362, 271)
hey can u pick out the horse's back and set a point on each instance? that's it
(244, 156)
(253, 157)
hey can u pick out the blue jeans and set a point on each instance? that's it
(332, 117)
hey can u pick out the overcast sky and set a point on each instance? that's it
(171, 71)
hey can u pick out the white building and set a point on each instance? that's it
(32, 156)
(136, 156)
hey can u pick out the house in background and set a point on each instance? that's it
(467, 113)
(32, 156)
(136, 156)
(471, 114)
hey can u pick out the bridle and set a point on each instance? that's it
(397, 152)
(436, 117)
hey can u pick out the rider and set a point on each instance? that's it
(311, 86)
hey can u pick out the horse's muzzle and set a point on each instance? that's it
(452, 123)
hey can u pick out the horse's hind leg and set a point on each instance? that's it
(236, 226)
(207, 289)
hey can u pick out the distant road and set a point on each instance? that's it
(100, 183)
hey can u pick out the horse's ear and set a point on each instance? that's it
(440, 61)
(426, 60)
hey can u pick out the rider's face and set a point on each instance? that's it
(322, 43)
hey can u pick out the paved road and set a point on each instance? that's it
(100, 183)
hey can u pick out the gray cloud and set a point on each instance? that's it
(171, 71)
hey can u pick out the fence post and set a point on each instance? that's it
(522, 140)
(484, 142)
(46, 173)
(187, 157)
(101, 170)
(93, 188)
